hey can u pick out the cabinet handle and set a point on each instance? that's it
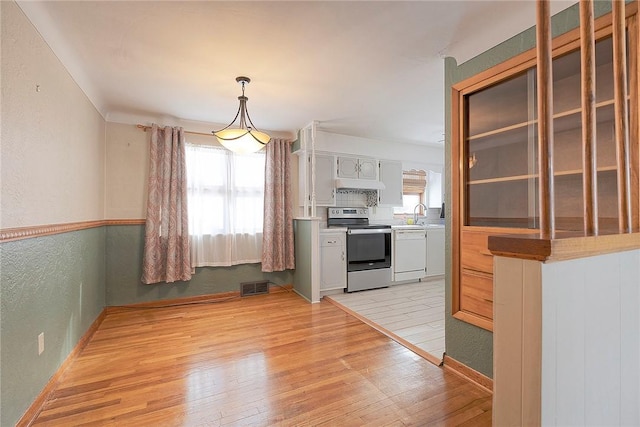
(342, 256)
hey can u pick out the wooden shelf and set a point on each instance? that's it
(503, 179)
(564, 224)
(521, 125)
(502, 130)
(579, 171)
(535, 176)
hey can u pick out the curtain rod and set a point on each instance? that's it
(144, 128)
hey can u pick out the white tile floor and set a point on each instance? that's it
(414, 312)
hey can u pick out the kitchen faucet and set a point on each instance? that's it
(415, 214)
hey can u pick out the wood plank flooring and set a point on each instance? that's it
(413, 312)
(256, 361)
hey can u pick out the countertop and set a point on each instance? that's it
(393, 227)
(407, 227)
(416, 226)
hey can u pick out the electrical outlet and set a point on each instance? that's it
(40, 343)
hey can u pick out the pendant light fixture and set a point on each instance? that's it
(243, 139)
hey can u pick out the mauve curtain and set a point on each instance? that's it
(277, 234)
(167, 256)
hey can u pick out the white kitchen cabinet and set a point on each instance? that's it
(435, 251)
(391, 177)
(325, 180)
(333, 261)
(358, 168)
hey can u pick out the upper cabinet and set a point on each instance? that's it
(391, 177)
(325, 190)
(495, 182)
(359, 168)
(325, 180)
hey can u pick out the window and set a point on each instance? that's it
(435, 190)
(226, 199)
(414, 183)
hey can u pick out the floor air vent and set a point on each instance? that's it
(254, 288)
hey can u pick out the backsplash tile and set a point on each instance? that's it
(356, 198)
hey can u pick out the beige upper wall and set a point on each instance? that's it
(127, 165)
(52, 167)
(60, 161)
(127, 170)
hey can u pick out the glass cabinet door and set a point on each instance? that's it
(568, 170)
(500, 134)
(500, 141)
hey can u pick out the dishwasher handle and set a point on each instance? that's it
(410, 234)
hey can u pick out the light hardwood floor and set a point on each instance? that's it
(413, 312)
(255, 361)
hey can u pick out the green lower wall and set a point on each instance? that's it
(466, 343)
(125, 245)
(303, 277)
(52, 284)
(59, 284)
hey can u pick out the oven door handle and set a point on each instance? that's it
(370, 231)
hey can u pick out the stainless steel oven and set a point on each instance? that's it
(368, 248)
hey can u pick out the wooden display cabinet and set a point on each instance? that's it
(495, 177)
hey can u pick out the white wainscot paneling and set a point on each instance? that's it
(587, 321)
(591, 341)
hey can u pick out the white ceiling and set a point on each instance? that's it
(365, 68)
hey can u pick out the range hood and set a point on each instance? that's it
(360, 184)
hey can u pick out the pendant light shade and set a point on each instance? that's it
(244, 139)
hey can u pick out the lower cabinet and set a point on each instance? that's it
(475, 298)
(476, 293)
(333, 261)
(435, 252)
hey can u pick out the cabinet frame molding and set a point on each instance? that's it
(560, 45)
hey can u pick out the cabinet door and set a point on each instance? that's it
(347, 167)
(435, 252)
(500, 145)
(333, 264)
(367, 169)
(325, 180)
(391, 177)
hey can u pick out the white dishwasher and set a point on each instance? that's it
(409, 254)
